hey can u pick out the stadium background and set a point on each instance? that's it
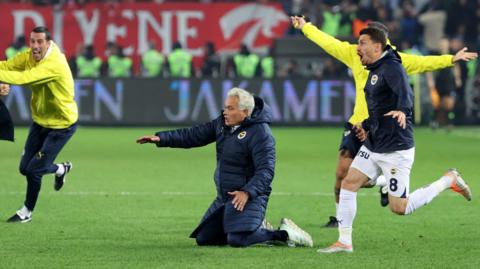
(133, 206)
(308, 86)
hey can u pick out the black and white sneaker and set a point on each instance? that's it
(60, 180)
(332, 223)
(19, 219)
(384, 196)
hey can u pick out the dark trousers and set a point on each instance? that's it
(41, 149)
(213, 234)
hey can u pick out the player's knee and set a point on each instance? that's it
(32, 173)
(23, 170)
(202, 241)
(348, 183)
(235, 240)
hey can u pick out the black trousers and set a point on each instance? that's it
(213, 234)
(41, 149)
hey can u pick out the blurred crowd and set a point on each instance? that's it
(424, 27)
(419, 27)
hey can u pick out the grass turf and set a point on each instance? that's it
(133, 206)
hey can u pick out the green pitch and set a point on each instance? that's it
(133, 206)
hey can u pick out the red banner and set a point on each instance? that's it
(133, 25)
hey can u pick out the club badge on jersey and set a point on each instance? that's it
(374, 79)
(242, 135)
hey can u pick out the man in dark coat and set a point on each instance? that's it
(389, 147)
(6, 125)
(243, 176)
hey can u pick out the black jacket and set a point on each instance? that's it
(6, 124)
(387, 89)
(245, 161)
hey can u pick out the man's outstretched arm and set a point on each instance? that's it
(342, 51)
(419, 64)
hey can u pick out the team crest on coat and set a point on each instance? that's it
(242, 135)
(374, 79)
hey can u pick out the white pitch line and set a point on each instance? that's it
(169, 193)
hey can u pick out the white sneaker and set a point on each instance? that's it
(336, 248)
(267, 225)
(296, 236)
(459, 185)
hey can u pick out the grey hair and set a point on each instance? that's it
(245, 99)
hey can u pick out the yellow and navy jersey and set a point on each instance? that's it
(347, 54)
(50, 79)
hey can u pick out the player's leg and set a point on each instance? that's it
(362, 168)
(62, 169)
(422, 196)
(396, 167)
(398, 177)
(42, 162)
(448, 104)
(344, 162)
(33, 144)
(349, 147)
(261, 235)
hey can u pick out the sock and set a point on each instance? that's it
(347, 209)
(425, 195)
(381, 181)
(60, 170)
(24, 212)
(336, 210)
(280, 235)
(345, 236)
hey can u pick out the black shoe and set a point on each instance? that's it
(60, 180)
(17, 219)
(332, 223)
(383, 196)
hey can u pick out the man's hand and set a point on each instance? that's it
(148, 139)
(297, 22)
(464, 55)
(4, 89)
(360, 132)
(400, 116)
(239, 200)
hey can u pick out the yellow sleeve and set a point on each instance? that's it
(341, 50)
(15, 63)
(419, 64)
(36, 75)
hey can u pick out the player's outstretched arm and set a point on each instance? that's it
(342, 51)
(419, 64)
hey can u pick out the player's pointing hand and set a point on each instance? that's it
(400, 116)
(148, 139)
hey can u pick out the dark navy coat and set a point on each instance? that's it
(6, 125)
(245, 161)
(387, 89)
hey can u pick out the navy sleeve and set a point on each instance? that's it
(396, 79)
(197, 136)
(366, 124)
(262, 148)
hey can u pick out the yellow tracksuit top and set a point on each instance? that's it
(347, 54)
(50, 79)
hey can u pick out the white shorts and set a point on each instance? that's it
(395, 166)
